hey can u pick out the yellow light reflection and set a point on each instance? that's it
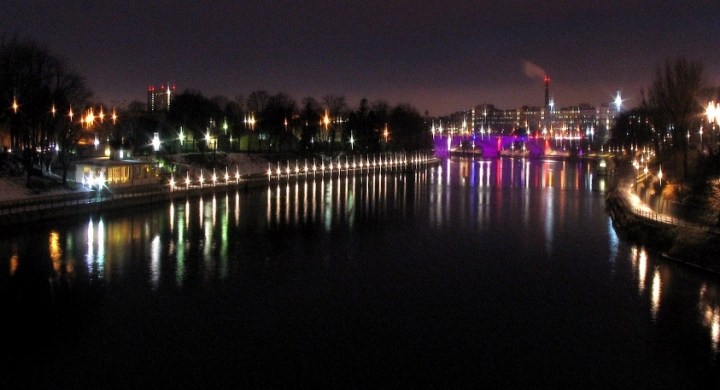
(655, 297)
(55, 250)
(709, 306)
(14, 260)
(642, 269)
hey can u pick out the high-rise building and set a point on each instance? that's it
(159, 99)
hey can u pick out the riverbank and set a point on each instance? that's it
(694, 244)
(21, 205)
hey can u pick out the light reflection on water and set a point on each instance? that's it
(198, 240)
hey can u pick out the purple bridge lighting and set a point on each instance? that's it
(490, 146)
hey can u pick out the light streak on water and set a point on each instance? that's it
(155, 262)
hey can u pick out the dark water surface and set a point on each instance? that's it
(505, 273)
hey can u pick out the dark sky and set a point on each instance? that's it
(440, 56)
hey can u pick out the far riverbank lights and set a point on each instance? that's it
(156, 142)
(712, 111)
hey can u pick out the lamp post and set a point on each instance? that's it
(326, 122)
(250, 121)
(712, 111)
(156, 142)
(181, 139)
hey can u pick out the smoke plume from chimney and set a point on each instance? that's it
(534, 71)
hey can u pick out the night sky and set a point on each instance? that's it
(440, 56)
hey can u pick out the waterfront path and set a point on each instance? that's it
(16, 209)
(636, 206)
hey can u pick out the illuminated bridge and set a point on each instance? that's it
(495, 145)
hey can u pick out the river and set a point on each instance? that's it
(503, 272)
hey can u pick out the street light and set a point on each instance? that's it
(712, 112)
(326, 120)
(156, 142)
(181, 138)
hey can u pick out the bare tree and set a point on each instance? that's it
(277, 117)
(310, 117)
(256, 102)
(337, 110)
(673, 100)
(42, 89)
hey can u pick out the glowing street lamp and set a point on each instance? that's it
(712, 111)
(326, 120)
(156, 142)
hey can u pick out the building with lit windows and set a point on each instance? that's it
(572, 121)
(159, 99)
(116, 170)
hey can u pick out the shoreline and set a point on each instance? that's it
(38, 209)
(690, 244)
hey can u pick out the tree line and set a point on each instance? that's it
(676, 120)
(277, 123)
(39, 90)
(49, 117)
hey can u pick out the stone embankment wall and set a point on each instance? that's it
(89, 203)
(694, 245)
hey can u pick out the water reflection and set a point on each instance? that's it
(709, 307)
(95, 257)
(210, 239)
(708, 296)
(655, 297)
(330, 202)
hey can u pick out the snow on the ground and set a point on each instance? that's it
(13, 187)
(247, 164)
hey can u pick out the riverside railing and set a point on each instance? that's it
(367, 163)
(645, 212)
(71, 199)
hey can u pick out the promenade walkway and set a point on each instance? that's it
(639, 208)
(26, 207)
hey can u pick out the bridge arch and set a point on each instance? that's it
(490, 145)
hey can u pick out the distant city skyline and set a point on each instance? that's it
(442, 57)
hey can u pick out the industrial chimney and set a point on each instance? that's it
(547, 92)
